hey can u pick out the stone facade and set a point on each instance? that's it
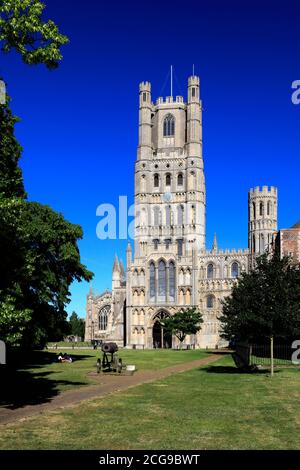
(171, 268)
(288, 241)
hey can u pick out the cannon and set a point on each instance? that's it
(111, 348)
(110, 363)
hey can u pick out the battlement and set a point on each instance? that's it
(263, 191)
(169, 99)
(145, 86)
(194, 80)
(227, 251)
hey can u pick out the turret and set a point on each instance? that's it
(215, 244)
(194, 118)
(145, 110)
(116, 275)
(122, 274)
(128, 255)
(262, 218)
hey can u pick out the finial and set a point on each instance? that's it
(215, 243)
(116, 266)
(122, 272)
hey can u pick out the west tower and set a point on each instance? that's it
(170, 196)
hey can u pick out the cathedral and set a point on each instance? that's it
(169, 268)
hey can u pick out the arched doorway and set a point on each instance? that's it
(161, 338)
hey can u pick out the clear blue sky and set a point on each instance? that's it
(79, 123)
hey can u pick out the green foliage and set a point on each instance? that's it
(40, 259)
(77, 325)
(264, 302)
(12, 321)
(187, 322)
(23, 29)
(11, 180)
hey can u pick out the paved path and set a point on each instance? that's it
(108, 384)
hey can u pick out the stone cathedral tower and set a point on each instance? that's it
(169, 268)
(262, 210)
(169, 175)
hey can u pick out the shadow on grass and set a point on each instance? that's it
(20, 386)
(233, 370)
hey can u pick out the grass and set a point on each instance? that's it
(40, 377)
(214, 407)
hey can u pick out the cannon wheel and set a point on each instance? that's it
(98, 366)
(115, 363)
(120, 366)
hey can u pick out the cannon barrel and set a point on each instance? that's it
(109, 347)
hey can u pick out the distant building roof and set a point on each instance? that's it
(296, 225)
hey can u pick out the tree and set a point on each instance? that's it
(40, 261)
(264, 303)
(77, 325)
(22, 29)
(183, 323)
(11, 179)
(38, 247)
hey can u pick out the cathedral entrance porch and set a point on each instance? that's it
(161, 338)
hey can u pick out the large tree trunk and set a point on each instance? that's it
(272, 354)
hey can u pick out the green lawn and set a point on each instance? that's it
(37, 378)
(214, 407)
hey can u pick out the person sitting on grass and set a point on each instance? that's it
(64, 357)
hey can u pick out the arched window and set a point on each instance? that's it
(269, 208)
(254, 210)
(180, 179)
(172, 281)
(210, 271)
(193, 215)
(169, 126)
(180, 215)
(192, 180)
(168, 179)
(188, 297)
(156, 216)
(156, 180)
(261, 209)
(262, 243)
(181, 297)
(188, 277)
(168, 215)
(152, 281)
(234, 270)
(161, 281)
(143, 183)
(210, 301)
(103, 317)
